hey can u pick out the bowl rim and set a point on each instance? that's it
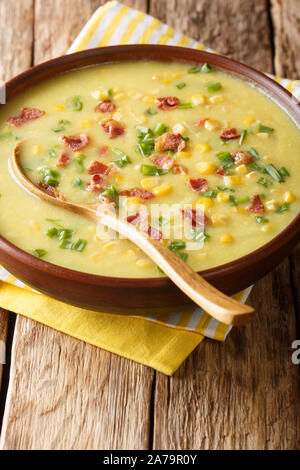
(282, 97)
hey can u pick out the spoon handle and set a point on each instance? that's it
(217, 304)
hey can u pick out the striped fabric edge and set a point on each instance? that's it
(116, 24)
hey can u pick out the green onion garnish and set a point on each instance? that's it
(112, 193)
(264, 182)
(212, 193)
(39, 252)
(256, 167)
(261, 220)
(283, 208)
(206, 68)
(226, 159)
(152, 170)
(52, 232)
(273, 172)
(52, 152)
(283, 172)
(194, 69)
(243, 136)
(199, 236)
(77, 103)
(181, 85)
(254, 153)
(160, 129)
(79, 245)
(214, 87)
(62, 123)
(66, 244)
(175, 246)
(265, 129)
(77, 183)
(162, 220)
(150, 112)
(123, 160)
(185, 106)
(79, 163)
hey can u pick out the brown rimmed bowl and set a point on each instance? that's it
(132, 295)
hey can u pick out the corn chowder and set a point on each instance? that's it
(153, 133)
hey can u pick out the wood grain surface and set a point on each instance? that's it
(243, 394)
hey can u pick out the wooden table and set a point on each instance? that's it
(244, 394)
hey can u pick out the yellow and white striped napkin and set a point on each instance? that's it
(159, 341)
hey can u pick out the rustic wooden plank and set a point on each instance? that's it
(286, 24)
(243, 394)
(63, 393)
(16, 31)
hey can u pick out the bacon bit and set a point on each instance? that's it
(154, 233)
(26, 115)
(140, 219)
(164, 161)
(242, 157)
(106, 200)
(113, 128)
(167, 103)
(201, 122)
(105, 106)
(198, 219)
(229, 134)
(137, 192)
(51, 190)
(98, 168)
(103, 150)
(169, 141)
(63, 160)
(198, 184)
(220, 171)
(76, 142)
(96, 184)
(179, 170)
(256, 205)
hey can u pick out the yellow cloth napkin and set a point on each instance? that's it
(161, 342)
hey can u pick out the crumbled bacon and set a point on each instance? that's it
(179, 170)
(229, 134)
(106, 200)
(169, 141)
(105, 106)
(154, 233)
(201, 122)
(198, 184)
(96, 184)
(167, 103)
(197, 218)
(220, 171)
(142, 219)
(103, 150)
(98, 168)
(137, 192)
(138, 218)
(63, 160)
(164, 161)
(76, 142)
(51, 190)
(113, 128)
(256, 205)
(26, 115)
(242, 157)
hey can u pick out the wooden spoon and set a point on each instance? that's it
(217, 304)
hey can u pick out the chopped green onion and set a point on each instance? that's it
(162, 220)
(185, 106)
(243, 136)
(123, 160)
(150, 112)
(226, 159)
(50, 181)
(185, 138)
(232, 200)
(79, 245)
(254, 153)
(242, 199)
(152, 170)
(145, 149)
(77, 103)
(283, 208)
(142, 131)
(62, 123)
(220, 188)
(175, 246)
(160, 129)
(182, 255)
(64, 233)
(265, 129)
(77, 183)
(112, 193)
(110, 92)
(199, 236)
(194, 69)
(214, 87)
(273, 172)
(212, 193)
(66, 244)
(52, 153)
(181, 85)
(264, 182)
(52, 232)
(39, 252)
(283, 172)
(206, 68)
(79, 162)
(261, 220)
(256, 167)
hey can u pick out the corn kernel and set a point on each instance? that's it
(149, 99)
(242, 169)
(85, 124)
(219, 219)
(234, 180)
(241, 210)
(119, 178)
(37, 149)
(212, 124)
(251, 175)
(176, 75)
(249, 120)
(207, 202)
(166, 81)
(144, 263)
(130, 253)
(150, 182)
(271, 205)
(119, 97)
(216, 99)
(178, 128)
(226, 238)
(183, 154)
(206, 168)
(163, 189)
(289, 197)
(99, 94)
(222, 197)
(267, 228)
(34, 225)
(202, 147)
(130, 201)
(198, 99)
(109, 245)
(59, 107)
(262, 135)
